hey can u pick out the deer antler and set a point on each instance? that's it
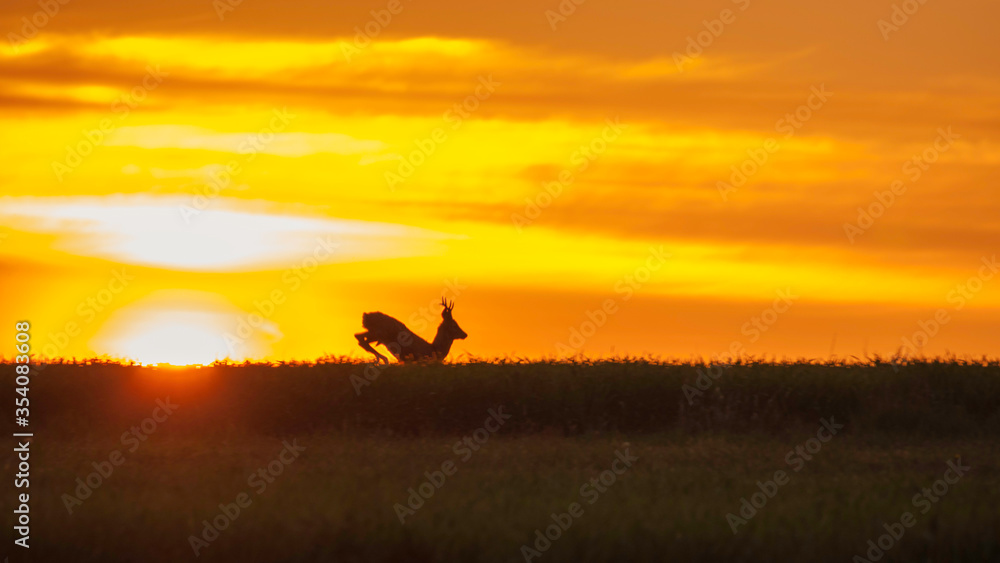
(447, 306)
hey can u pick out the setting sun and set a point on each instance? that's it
(165, 337)
(181, 328)
(161, 340)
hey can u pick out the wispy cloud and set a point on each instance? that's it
(199, 138)
(149, 231)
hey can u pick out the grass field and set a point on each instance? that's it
(339, 458)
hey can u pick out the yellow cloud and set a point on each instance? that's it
(208, 235)
(280, 144)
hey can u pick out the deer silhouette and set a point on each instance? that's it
(403, 343)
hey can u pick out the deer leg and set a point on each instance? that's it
(363, 342)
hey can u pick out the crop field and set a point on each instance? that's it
(626, 460)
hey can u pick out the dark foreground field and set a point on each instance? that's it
(324, 472)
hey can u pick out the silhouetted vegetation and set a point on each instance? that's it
(932, 398)
(364, 452)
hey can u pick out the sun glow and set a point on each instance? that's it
(178, 342)
(180, 328)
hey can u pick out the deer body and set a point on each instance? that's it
(403, 343)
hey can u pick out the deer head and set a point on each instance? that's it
(449, 328)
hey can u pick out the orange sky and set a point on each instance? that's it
(176, 172)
